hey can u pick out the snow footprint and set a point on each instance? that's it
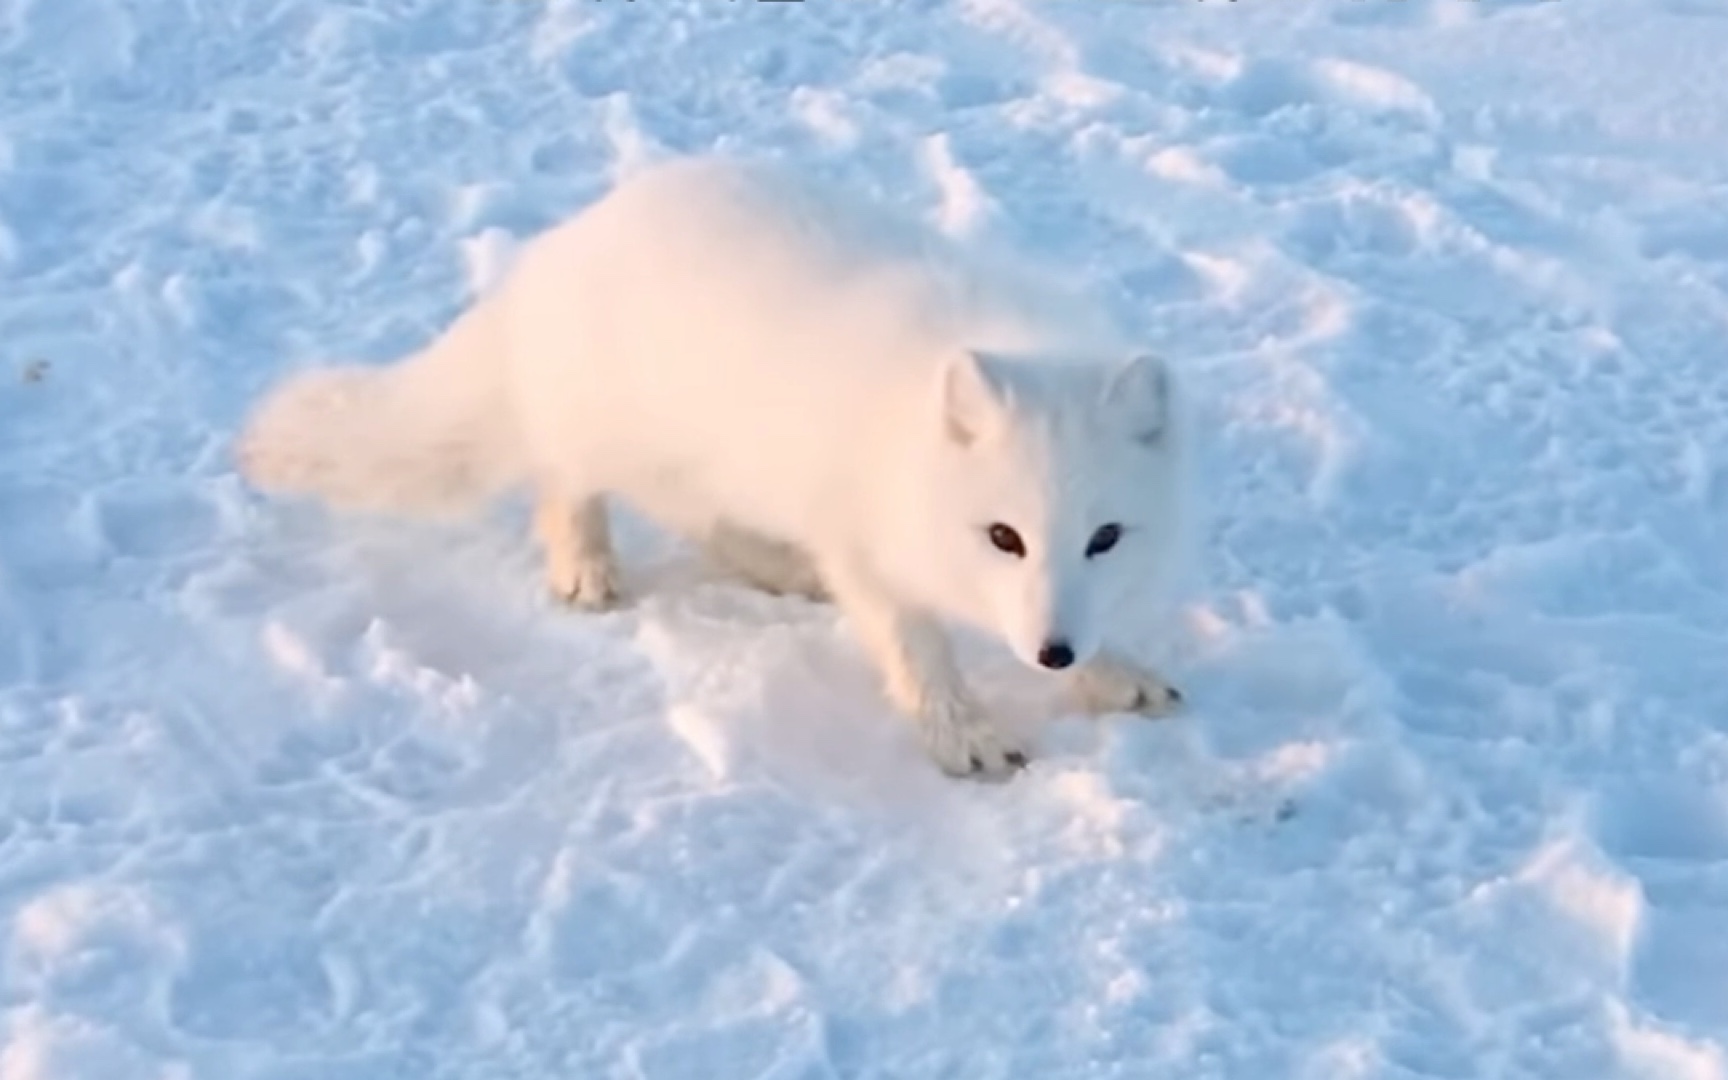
(1673, 837)
(242, 984)
(1279, 121)
(1419, 14)
(1425, 14)
(1260, 88)
(1706, 9)
(1664, 821)
(147, 520)
(593, 922)
(92, 947)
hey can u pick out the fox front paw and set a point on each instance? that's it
(590, 585)
(964, 743)
(1115, 686)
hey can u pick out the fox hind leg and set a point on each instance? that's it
(576, 537)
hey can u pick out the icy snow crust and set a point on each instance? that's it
(289, 796)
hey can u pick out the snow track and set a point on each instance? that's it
(284, 796)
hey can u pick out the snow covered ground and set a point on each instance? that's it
(286, 797)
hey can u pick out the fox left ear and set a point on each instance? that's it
(1139, 392)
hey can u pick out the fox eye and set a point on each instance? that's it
(1103, 540)
(1006, 539)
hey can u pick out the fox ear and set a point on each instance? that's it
(1139, 392)
(973, 399)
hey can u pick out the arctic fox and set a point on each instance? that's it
(826, 396)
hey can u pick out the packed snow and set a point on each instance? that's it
(289, 795)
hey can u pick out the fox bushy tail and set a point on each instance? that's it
(434, 434)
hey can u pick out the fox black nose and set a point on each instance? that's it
(1056, 655)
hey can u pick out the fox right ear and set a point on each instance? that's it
(972, 398)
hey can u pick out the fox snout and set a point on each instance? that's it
(1056, 654)
(1057, 639)
(1058, 651)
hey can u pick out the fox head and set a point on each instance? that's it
(1054, 496)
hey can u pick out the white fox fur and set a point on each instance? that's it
(827, 396)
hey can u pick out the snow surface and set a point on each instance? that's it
(290, 797)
